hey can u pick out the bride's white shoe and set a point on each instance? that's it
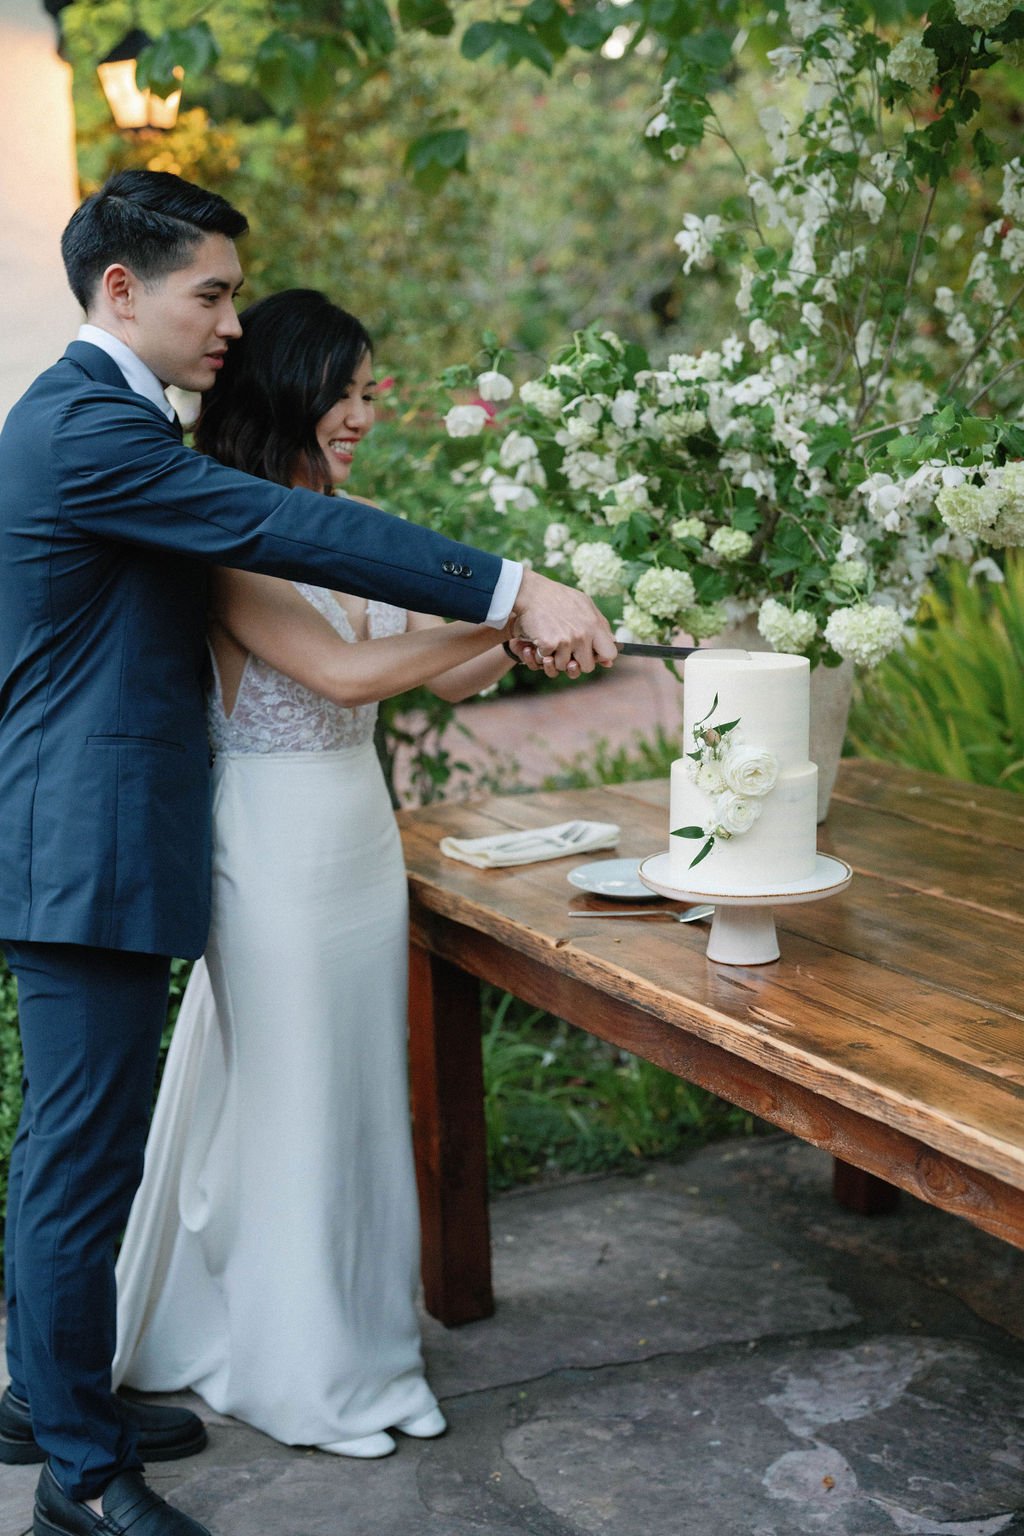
(426, 1427)
(365, 1446)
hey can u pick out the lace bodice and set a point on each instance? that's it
(273, 713)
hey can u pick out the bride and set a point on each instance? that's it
(270, 1262)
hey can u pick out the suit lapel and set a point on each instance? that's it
(100, 366)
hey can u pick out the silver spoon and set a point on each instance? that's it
(692, 915)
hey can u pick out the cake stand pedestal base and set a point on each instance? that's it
(743, 928)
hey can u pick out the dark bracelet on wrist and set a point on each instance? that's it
(509, 652)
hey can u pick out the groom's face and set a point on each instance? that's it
(182, 324)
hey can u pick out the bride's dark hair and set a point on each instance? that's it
(297, 355)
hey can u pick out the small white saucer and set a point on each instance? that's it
(617, 878)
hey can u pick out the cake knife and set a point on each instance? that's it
(674, 652)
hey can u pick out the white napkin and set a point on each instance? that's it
(530, 847)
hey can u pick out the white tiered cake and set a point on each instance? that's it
(746, 794)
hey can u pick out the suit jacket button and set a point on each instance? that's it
(467, 570)
(448, 567)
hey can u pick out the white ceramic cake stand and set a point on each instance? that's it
(743, 928)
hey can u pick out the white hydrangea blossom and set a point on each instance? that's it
(786, 629)
(494, 386)
(587, 471)
(664, 592)
(689, 528)
(731, 543)
(850, 573)
(598, 569)
(983, 13)
(465, 420)
(542, 398)
(704, 620)
(911, 63)
(1007, 486)
(626, 497)
(865, 634)
(1012, 201)
(945, 301)
(639, 624)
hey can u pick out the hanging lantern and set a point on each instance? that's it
(135, 110)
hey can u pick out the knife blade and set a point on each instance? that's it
(674, 652)
(641, 648)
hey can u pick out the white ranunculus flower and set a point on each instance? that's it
(494, 386)
(750, 771)
(735, 814)
(465, 420)
(709, 777)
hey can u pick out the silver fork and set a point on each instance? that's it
(692, 915)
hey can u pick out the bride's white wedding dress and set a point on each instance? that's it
(271, 1258)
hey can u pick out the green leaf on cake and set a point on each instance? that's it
(703, 853)
(689, 832)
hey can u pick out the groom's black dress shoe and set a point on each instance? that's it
(128, 1506)
(165, 1434)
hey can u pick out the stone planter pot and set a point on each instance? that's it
(831, 693)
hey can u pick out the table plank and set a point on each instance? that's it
(931, 800)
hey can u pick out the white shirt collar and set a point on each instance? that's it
(138, 376)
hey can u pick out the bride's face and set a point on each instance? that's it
(340, 431)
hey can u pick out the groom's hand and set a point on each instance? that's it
(563, 625)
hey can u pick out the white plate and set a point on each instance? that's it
(617, 878)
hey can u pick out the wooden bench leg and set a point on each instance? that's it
(862, 1192)
(449, 1138)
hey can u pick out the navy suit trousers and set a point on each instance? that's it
(91, 1021)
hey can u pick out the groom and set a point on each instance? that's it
(107, 528)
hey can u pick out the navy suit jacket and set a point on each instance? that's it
(107, 528)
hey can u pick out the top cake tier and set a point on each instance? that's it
(766, 691)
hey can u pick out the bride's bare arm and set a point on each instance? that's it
(462, 680)
(267, 616)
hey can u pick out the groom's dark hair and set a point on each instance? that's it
(149, 220)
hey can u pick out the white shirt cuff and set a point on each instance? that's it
(505, 593)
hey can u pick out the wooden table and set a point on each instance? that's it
(890, 1033)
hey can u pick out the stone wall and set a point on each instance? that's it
(38, 193)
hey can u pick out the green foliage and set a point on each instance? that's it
(561, 1101)
(952, 702)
